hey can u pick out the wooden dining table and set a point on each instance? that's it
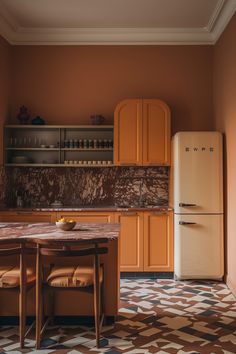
(65, 303)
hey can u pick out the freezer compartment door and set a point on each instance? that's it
(198, 246)
(198, 183)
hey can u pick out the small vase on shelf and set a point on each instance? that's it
(23, 115)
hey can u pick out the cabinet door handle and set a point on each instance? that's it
(24, 213)
(187, 205)
(187, 223)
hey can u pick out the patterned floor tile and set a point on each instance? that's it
(156, 316)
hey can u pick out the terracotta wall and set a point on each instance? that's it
(225, 121)
(5, 66)
(66, 84)
(5, 62)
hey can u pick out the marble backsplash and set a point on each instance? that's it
(85, 186)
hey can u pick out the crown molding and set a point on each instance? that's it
(111, 36)
(226, 13)
(8, 26)
(208, 35)
(215, 15)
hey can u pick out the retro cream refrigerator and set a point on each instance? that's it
(197, 198)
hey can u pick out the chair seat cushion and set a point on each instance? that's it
(10, 276)
(72, 276)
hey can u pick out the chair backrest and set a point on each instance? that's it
(69, 248)
(10, 247)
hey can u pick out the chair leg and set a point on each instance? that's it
(51, 305)
(102, 305)
(38, 300)
(22, 317)
(97, 300)
(22, 298)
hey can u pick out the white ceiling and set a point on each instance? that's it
(114, 21)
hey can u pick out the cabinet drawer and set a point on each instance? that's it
(27, 216)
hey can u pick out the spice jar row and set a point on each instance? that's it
(87, 144)
(88, 162)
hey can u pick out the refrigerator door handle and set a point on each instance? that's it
(187, 223)
(187, 205)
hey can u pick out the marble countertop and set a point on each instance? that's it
(48, 231)
(105, 208)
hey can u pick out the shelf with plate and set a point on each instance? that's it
(58, 146)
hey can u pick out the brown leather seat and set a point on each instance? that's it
(81, 278)
(73, 276)
(10, 276)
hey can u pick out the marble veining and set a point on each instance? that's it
(48, 231)
(86, 186)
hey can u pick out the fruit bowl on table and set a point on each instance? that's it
(66, 225)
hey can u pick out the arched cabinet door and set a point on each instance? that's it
(156, 133)
(128, 133)
(142, 133)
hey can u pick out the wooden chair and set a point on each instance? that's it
(83, 278)
(17, 278)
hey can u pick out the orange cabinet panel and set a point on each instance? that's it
(131, 241)
(78, 216)
(156, 133)
(128, 133)
(158, 241)
(142, 133)
(27, 216)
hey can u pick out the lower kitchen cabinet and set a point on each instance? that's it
(27, 216)
(146, 241)
(158, 242)
(87, 216)
(131, 241)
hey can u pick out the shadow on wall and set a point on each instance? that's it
(3, 183)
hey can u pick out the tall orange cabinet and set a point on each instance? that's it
(142, 133)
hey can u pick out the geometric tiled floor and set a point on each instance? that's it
(156, 316)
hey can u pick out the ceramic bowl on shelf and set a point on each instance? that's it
(65, 225)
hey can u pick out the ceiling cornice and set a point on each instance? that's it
(208, 35)
(226, 13)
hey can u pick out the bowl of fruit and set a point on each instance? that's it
(65, 224)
